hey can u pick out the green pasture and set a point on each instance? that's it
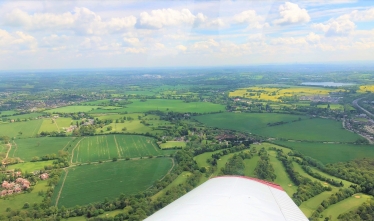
(30, 166)
(21, 129)
(331, 153)
(28, 148)
(168, 105)
(25, 116)
(108, 180)
(107, 147)
(16, 202)
(171, 144)
(97, 102)
(316, 129)
(11, 112)
(72, 109)
(346, 205)
(57, 124)
(179, 180)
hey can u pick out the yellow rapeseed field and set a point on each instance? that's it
(365, 88)
(274, 94)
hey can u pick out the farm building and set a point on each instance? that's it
(232, 198)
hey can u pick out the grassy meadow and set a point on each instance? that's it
(72, 109)
(21, 129)
(30, 166)
(57, 124)
(171, 144)
(329, 152)
(316, 129)
(108, 180)
(28, 148)
(106, 147)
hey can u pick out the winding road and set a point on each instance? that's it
(355, 104)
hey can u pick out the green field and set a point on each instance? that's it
(171, 144)
(28, 128)
(201, 159)
(30, 166)
(28, 148)
(250, 165)
(57, 124)
(179, 180)
(331, 153)
(166, 105)
(72, 109)
(108, 180)
(134, 125)
(282, 178)
(25, 116)
(316, 129)
(346, 205)
(312, 204)
(16, 202)
(106, 147)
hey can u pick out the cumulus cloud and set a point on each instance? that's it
(181, 47)
(291, 13)
(364, 15)
(131, 41)
(17, 41)
(81, 20)
(341, 26)
(288, 41)
(250, 18)
(167, 17)
(313, 37)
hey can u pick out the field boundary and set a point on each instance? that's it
(118, 151)
(72, 151)
(62, 186)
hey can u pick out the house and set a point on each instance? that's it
(44, 176)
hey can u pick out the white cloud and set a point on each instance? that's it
(167, 17)
(81, 20)
(313, 37)
(181, 47)
(250, 18)
(341, 26)
(131, 41)
(17, 41)
(135, 50)
(288, 41)
(214, 23)
(291, 13)
(364, 15)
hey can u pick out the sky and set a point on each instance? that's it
(119, 34)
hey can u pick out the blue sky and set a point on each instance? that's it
(95, 34)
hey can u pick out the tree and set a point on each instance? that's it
(114, 159)
(109, 128)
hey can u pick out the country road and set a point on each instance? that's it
(355, 104)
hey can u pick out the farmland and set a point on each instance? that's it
(21, 129)
(172, 144)
(107, 147)
(72, 109)
(331, 153)
(276, 93)
(28, 148)
(168, 105)
(109, 180)
(57, 124)
(294, 127)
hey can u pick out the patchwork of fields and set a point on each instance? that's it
(90, 149)
(294, 127)
(276, 93)
(108, 180)
(330, 153)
